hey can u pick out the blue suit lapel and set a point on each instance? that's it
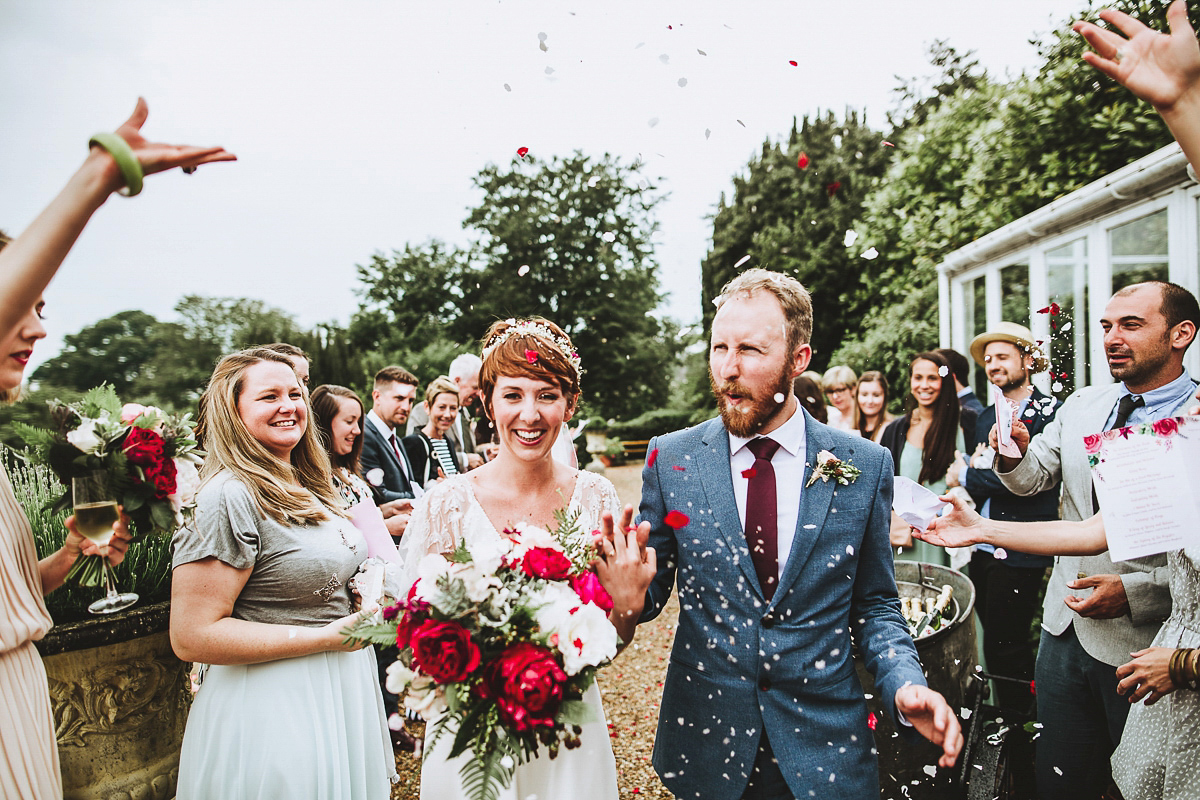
(716, 479)
(815, 502)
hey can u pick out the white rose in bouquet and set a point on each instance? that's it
(424, 698)
(398, 677)
(527, 537)
(554, 603)
(489, 553)
(85, 437)
(187, 481)
(586, 638)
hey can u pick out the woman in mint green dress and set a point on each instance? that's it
(923, 443)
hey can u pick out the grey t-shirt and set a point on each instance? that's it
(299, 572)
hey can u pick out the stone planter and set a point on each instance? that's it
(120, 699)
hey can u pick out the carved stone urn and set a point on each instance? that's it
(120, 699)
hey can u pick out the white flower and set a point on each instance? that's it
(553, 604)
(375, 476)
(528, 537)
(187, 481)
(424, 698)
(824, 457)
(398, 677)
(489, 553)
(85, 436)
(586, 639)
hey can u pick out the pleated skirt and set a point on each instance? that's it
(308, 728)
(28, 750)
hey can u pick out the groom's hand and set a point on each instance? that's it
(933, 718)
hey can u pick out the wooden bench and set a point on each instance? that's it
(635, 448)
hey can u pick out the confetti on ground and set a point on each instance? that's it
(707, 132)
(549, 70)
(522, 151)
(664, 58)
(802, 162)
(542, 42)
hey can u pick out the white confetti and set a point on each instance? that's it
(664, 58)
(549, 70)
(682, 82)
(707, 132)
(819, 664)
(871, 254)
(523, 271)
(779, 398)
(593, 181)
(965, 713)
(742, 260)
(739, 122)
(506, 762)
(1056, 386)
(1001, 553)
(810, 527)
(701, 52)
(943, 371)
(1059, 771)
(929, 769)
(507, 88)
(652, 122)
(609, 236)
(851, 237)
(1066, 327)
(541, 37)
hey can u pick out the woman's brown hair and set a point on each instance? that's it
(535, 348)
(942, 435)
(325, 408)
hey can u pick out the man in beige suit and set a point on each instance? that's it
(1097, 612)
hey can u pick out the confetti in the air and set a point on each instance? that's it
(749, 473)
(1001, 553)
(678, 468)
(676, 519)
(742, 260)
(682, 82)
(739, 122)
(851, 238)
(522, 151)
(507, 88)
(701, 52)
(609, 236)
(664, 58)
(794, 63)
(779, 398)
(832, 188)
(549, 70)
(523, 271)
(651, 457)
(652, 122)
(870, 254)
(707, 132)
(888, 144)
(1053, 309)
(531, 356)
(943, 371)
(1056, 387)
(542, 42)
(802, 162)
(872, 720)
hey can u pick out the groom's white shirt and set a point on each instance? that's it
(788, 464)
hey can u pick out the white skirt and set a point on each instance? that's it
(589, 772)
(308, 728)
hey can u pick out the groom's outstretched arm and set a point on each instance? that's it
(653, 509)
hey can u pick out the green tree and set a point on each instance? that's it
(113, 350)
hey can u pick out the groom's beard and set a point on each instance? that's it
(754, 411)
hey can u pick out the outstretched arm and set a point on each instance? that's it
(962, 527)
(1162, 69)
(933, 718)
(29, 262)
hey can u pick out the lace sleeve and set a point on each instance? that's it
(436, 526)
(597, 495)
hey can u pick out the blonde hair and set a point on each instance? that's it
(440, 385)
(231, 447)
(792, 296)
(839, 374)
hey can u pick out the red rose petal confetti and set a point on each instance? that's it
(678, 468)
(522, 151)
(1033, 687)
(531, 356)
(831, 188)
(802, 162)
(676, 519)
(651, 457)
(872, 720)
(888, 144)
(794, 63)
(749, 473)
(1053, 309)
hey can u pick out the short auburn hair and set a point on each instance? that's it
(506, 353)
(793, 298)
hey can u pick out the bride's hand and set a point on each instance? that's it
(625, 566)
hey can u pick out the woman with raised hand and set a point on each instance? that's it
(530, 387)
(1159, 754)
(28, 750)
(287, 707)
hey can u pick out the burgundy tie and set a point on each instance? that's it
(762, 512)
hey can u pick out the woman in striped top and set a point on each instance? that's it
(431, 453)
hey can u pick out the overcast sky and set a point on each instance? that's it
(358, 124)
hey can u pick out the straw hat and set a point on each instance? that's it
(1014, 333)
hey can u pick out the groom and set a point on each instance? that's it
(777, 567)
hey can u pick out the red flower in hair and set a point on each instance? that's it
(531, 356)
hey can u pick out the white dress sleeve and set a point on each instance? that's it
(436, 526)
(597, 495)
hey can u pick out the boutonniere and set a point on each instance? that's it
(830, 466)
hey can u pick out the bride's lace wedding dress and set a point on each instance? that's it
(448, 514)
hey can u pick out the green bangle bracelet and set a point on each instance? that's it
(122, 153)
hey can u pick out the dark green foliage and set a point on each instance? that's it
(651, 423)
(113, 350)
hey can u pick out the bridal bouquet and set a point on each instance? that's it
(498, 642)
(150, 459)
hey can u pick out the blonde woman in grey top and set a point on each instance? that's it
(286, 707)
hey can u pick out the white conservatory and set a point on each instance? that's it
(1138, 223)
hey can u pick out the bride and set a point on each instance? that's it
(530, 386)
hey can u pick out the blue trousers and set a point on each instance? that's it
(1082, 717)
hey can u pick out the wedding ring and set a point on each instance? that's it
(190, 170)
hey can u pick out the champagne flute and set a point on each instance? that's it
(95, 513)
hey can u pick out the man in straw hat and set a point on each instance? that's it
(1008, 584)
(1098, 612)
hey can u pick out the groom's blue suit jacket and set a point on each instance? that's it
(740, 666)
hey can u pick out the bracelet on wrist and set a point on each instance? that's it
(127, 163)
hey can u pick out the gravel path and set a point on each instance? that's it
(632, 688)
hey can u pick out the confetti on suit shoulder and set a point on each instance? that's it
(651, 457)
(676, 519)
(522, 151)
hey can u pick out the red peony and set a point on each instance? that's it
(1166, 427)
(444, 651)
(545, 562)
(526, 683)
(143, 447)
(590, 590)
(161, 475)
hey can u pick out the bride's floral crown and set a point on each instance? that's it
(537, 330)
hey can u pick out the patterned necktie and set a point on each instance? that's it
(1124, 408)
(762, 512)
